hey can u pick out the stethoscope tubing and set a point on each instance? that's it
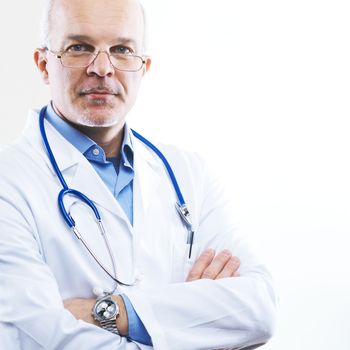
(166, 164)
(66, 191)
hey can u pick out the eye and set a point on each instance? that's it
(76, 48)
(121, 50)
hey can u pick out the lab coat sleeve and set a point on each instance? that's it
(31, 309)
(229, 313)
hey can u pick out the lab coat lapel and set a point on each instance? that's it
(87, 181)
(65, 154)
(148, 176)
(76, 169)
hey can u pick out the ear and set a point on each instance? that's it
(40, 59)
(147, 64)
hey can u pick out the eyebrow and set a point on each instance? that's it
(86, 38)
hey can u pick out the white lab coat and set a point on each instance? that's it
(42, 262)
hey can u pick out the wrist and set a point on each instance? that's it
(122, 320)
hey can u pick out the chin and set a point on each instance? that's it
(98, 116)
(93, 121)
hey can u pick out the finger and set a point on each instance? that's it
(230, 269)
(200, 265)
(217, 264)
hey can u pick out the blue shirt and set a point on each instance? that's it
(118, 174)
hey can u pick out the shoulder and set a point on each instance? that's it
(185, 164)
(189, 159)
(19, 165)
(10, 155)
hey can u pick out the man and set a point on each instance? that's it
(174, 291)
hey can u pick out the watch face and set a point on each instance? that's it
(105, 309)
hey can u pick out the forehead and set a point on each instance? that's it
(102, 20)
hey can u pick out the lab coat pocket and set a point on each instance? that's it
(181, 263)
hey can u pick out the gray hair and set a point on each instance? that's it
(45, 29)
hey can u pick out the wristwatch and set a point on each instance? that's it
(106, 311)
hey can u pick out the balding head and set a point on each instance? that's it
(49, 13)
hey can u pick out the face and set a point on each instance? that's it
(98, 95)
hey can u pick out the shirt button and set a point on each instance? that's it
(96, 151)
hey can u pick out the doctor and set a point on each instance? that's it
(146, 283)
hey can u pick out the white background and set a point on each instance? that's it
(261, 90)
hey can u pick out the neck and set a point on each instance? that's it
(110, 138)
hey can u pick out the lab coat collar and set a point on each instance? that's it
(65, 154)
(80, 175)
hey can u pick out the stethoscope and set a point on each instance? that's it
(66, 191)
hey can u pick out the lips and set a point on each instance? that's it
(99, 95)
(98, 91)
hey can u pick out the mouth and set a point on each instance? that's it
(98, 92)
(99, 95)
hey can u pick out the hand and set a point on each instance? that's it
(214, 267)
(81, 310)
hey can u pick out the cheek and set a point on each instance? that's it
(131, 83)
(70, 78)
(65, 82)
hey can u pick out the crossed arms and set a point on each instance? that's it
(208, 265)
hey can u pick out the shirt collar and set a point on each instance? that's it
(127, 151)
(84, 144)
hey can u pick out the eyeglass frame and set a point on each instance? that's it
(58, 55)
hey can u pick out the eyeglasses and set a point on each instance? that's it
(82, 59)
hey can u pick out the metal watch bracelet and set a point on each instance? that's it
(110, 325)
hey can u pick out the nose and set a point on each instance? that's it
(101, 65)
